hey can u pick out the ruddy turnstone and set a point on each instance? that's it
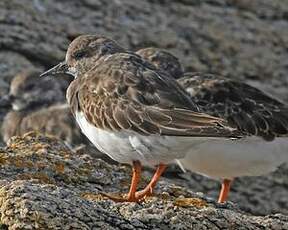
(132, 112)
(263, 118)
(39, 105)
(163, 60)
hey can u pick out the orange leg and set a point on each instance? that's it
(226, 184)
(131, 196)
(135, 180)
(148, 190)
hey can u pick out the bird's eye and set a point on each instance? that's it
(79, 54)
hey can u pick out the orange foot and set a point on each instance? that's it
(134, 196)
(125, 198)
(141, 195)
(133, 187)
(148, 191)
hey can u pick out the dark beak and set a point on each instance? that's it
(61, 68)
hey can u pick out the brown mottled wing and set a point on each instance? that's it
(124, 92)
(57, 120)
(10, 125)
(163, 60)
(244, 106)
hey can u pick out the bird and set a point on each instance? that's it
(262, 119)
(40, 105)
(132, 112)
(163, 60)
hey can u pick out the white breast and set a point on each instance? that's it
(128, 146)
(251, 156)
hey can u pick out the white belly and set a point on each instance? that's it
(128, 146)
(251, 156)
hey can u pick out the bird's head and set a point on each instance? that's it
(163, 61)
(83, 53)
(27, 91)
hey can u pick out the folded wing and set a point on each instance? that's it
(131, 94)
(245, 107)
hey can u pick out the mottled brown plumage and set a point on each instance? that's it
(132, 111)
(245, 107)
(163, 60)
(56, 120)
(262, 118)
(39, 105)
(124, 92)
(27, 91)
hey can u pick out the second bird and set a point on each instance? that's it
(262, 118)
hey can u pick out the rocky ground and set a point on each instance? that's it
(240, 39)
(44, 185)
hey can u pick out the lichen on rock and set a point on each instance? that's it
(45, 185)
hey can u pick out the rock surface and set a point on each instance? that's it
(240, 39)
(46, 186)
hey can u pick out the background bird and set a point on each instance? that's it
(39, 105)
(130, 110)
(163, 60)
(263, 118)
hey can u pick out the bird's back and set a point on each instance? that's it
(245, 107)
